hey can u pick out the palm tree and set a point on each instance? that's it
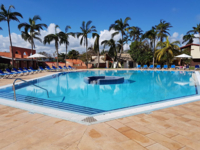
(85, 30)
(113, 48)
(188, 38)
(196, 30)
(152, 35)
(65, 40)
(167, 50)
(135, 33)
(162, 29)
(54, 37)
(120, 26)
(8, 15)
(34, 30)
(96, 45)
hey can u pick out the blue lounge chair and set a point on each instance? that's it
(65, 68)
(138, 66)
(145, 67)
(158, 67)
(55, 68)
(49, 69)
(30, 71)
(173, 67)
(24, 71)
(196, 67)
(71, 67)
(59, 67)
(12, 73)
(151, 67)
(187, 67)
(6, 75)
(165, 67)
(36, 71)
(19, 72)
(41, 69)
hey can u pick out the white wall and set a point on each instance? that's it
(195, 53)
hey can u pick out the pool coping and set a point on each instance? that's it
(120, 113)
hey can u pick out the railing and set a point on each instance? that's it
(28, 83)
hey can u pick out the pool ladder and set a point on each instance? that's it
(28, 83)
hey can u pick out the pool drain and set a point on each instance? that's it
(89, 119)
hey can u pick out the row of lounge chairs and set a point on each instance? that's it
(157, 67)
(20, 72)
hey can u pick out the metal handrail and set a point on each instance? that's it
(28, 83)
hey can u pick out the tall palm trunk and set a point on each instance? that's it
(122, 49)
(32, 49)
(154, 51)
(86, 52)
(10, 43)
(56, 45)
(66, 56)
(98, 59)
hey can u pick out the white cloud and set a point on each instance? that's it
(50, 48)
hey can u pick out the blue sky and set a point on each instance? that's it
(182, 14)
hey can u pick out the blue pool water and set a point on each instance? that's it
(68, 91)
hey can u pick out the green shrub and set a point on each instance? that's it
(4, 66)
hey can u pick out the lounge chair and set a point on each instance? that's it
(196, 67)
(71, 67)
(145, 67)
(158, 67)
(14, 74)
(187, 68)
(19, 72)
(64, 67)
(30, 71)
(49, 69)
(151, 67)
(138, 66)
(165, 67)
(55, 68)
(36, 71)
(24, 71)
(6, 75)
(173, 67)
(41, 69)
(60, 68)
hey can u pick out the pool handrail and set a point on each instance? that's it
(28, 83)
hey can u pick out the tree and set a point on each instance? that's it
(162, 29)
(168, 50)
(120, 26)
(1, 28)
(96, 45)
(54, 37)
(188, 38)
(31, 29)
(113, 48)
(135, 33)
(65, 40)
(140, 52)
(196, 30)
(73, 54)
(152, 35)
(8, 15)
(85, 30)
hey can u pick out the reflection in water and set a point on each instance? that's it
(140, 87)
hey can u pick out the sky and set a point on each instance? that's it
(182, 14)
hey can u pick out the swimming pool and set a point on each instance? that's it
(68, 91)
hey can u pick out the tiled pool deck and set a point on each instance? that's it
(174, 128)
